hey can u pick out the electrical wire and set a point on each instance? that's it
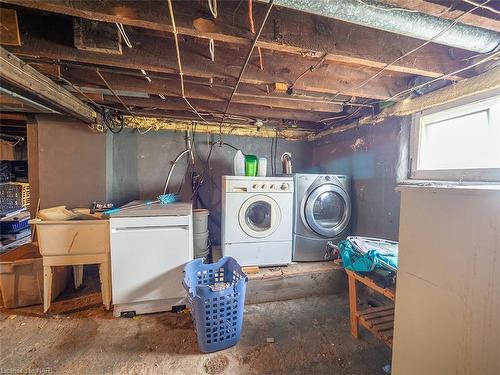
(482, 6)
(266, 15)
(146, 75)
(121, 29)
(443, 31)
(151, 75)
(311, 69)
(106, 112)
(211, 49)
(275, 152)
(109, 119)
(178, 53)
(113, 91)
(212, 5)
(76, 88)
(271, 158)
(252, 30)
(144, 132)
(444, 76)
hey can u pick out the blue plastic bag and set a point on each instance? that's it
(379, 256)
(354, 261)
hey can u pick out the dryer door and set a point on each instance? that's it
(259, 216)
(327, 210)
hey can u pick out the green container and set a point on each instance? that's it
(251, 163)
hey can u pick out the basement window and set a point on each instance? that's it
(461, 143)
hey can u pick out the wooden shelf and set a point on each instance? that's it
(379, 321)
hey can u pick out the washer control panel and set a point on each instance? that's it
(257, 184)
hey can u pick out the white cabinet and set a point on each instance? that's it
(148, 255)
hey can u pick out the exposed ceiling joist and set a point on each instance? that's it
(22, 76)
(155, 54)
(487, 83)
(373, 14)
(287, 31)
(208, 106)
(247, 94)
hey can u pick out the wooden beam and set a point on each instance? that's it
(287, 31)
(51, 70)
(451, 11)
(15, 117)
(23, 76)
(9, 29)
(33, 164)
(247, 94)
(156, 124)
(488, 82)
(155, 54)
(206, 106)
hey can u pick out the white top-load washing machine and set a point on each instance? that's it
(322, 214)
(257, 218)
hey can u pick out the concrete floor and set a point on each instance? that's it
(311, 337)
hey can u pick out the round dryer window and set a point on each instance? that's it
(328, 210)
(259, 216)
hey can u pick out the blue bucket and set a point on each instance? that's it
(217, 314)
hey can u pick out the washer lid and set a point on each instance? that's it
(327, 210)
(259, 216)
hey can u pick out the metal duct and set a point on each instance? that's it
(418, 25)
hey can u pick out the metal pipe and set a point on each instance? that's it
(414, 24)
(172, 169)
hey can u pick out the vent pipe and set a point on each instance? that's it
(414, 24)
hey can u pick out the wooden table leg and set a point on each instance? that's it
(105, 285)
(78, 275)
(47, 287)
(353, 305)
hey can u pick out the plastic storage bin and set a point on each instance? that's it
(217, 314)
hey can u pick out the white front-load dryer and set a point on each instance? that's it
(257, 219)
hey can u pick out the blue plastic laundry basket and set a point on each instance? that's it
(217, 315)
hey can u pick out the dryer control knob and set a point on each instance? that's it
(264, 186)
(285, 187)
(272, 187)
(255, 186)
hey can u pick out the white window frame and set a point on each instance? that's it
(443, 113)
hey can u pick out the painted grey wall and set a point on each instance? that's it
(370, 154)
(78, 166)
(71, 159)
(140, 163)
